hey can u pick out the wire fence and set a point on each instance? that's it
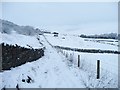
(96, 69)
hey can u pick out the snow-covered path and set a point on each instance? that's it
(49, 71)
(57, 73)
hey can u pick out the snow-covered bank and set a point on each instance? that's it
(21, 40)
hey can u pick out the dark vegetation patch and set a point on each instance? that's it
(88, 50)
(13, 56)
(102, 36)
(55, 33)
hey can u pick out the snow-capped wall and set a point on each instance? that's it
(13, 56)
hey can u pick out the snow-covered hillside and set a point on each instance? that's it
(7, 27)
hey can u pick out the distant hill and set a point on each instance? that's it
(8, 27)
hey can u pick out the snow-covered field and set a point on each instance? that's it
(56, 70)
(77, 42)
(88, 61)
(108, 60)
(112, 42)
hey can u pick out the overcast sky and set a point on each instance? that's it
(50, 14)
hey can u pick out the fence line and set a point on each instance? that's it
(96, 67)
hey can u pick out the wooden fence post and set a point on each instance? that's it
(78, 60)
(61, 51)
(17, 87)
(66, 54)
(98, 69)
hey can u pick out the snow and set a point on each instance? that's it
(104, 41)
(88, 64)
(20, 40)
(77, 42)
(47, 72)
(109, 62)
(55, 70)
